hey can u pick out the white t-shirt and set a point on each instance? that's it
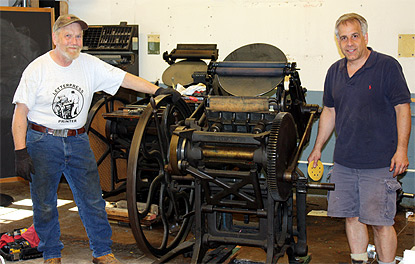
(60, 97)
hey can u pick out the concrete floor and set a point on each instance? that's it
(326, 236)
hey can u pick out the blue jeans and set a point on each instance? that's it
(72, 156)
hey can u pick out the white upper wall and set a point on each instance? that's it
(302, 29)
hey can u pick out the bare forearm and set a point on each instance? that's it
(19, 126)
(399, 161)
(138, 84)
(403, 123)
(325, 127)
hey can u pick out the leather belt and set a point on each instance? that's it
(57, 132)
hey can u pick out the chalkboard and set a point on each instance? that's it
(25, 33)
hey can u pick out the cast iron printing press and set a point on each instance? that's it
(221, 170)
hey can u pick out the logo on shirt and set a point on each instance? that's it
(68, 101)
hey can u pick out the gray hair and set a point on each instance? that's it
(348, 18)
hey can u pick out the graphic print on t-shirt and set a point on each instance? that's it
(68, 101)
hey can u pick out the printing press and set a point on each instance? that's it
(223, 167)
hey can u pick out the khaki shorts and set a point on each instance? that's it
(369, 194)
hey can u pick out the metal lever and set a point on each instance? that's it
(289, 174)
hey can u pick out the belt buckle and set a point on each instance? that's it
(60, 132)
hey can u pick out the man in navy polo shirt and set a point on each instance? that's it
(366, 99)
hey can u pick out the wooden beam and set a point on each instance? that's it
(34, 3)
(11, 179)
(63, 7)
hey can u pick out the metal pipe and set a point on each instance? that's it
(325, 186)
(209, 151)
(250, 64)
(251, 72)
(259, 213)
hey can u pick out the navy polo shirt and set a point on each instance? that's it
(365, 114)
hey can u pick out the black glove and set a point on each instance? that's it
(175, 94)
(23, 164)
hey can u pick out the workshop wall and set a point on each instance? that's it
(302, 29)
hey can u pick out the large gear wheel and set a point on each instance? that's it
(149, 184)
(282, 143)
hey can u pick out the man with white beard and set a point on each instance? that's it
(49, 144)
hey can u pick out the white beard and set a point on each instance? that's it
(69, 55)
